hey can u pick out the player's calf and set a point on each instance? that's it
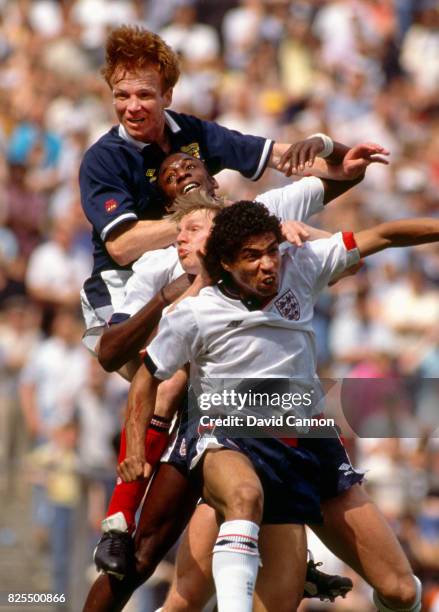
(233, 488)
(404, 595)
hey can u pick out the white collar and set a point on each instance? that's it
(173, 126)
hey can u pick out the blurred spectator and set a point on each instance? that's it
(420, 49)
(98, 408)
(199, 49)
(53, 465)
(197, 44)
(25, 210)
(47, 394)
(47, 398)
(57, 268)
(410, 308)
(19, 335)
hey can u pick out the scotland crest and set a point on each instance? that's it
(288, 306)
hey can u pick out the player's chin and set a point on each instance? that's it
(268, 287)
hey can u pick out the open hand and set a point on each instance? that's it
(300, 155)
(360, 157)
(295, 232)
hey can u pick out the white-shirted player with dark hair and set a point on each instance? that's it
(255, 279)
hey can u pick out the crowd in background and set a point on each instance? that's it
(358, 70)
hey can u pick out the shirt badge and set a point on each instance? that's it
(151, 174)
(192, 149)
(111, 205)
(288, 306)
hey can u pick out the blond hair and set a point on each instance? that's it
(198, 199)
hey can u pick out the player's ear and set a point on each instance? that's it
(167, 97)
(226, 266)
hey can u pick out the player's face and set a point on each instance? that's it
(256, 269)
(194, 229)
(181, 173)
(139, 103)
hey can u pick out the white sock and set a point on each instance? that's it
(235, 565)
(416, 607)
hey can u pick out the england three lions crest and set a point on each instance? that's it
(288, 306)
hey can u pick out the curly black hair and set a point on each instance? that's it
(232, 227)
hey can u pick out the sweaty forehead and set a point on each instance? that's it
(125, 74)
(259, 241)
(173, 161)
(202, 216)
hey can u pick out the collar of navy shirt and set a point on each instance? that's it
(170, 122)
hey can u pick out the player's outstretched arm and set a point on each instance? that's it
(344, 164)
(305, 157)
(140, 408)
(121, 342)
(352, 169)
(401, 233)
(129, 241)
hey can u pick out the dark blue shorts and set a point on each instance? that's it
(295, 480)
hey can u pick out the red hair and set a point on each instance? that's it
(132, 48)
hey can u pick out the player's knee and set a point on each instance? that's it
(185, 600)
(247, 501)
(402, 592)
(282, 603)
(146, 561)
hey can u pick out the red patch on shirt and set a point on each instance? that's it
(111, 205)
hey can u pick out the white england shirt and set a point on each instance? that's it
(295, 202)
(156, 269)
(151, 272)
(223, 337)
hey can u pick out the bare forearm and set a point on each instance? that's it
(338, 154)
(122, 342)
(140, 408)
(401, 233)
(192, 290)
(131, 240)
(328, 168)
(320, 167)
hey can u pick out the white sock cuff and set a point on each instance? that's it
(417, 606)
(239, 527)
(238, 536)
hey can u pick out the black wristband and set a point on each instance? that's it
(160, 423)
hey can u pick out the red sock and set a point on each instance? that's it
(126, 496)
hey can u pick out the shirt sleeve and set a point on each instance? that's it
(177, 342)
(150, 273)
(328, 258)
(105, 194)
(295, 202)
(230, 149)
